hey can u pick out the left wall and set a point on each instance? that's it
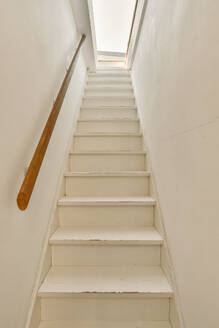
(37, 41)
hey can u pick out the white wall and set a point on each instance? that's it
(176, 78)
(37, 39)
(82, 19)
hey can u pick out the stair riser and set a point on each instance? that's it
(108, 93)
(108, 309)
(120, 113)
(106, 216)
(107, 143)
(109, 82)
(108, 127)
(86, 163)
(105, 255)
(107, 186)
(103, 324)
(109, 101)
(107, 75)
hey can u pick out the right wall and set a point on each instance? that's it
(176, 80)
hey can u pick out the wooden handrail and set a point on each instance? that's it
(36, 162)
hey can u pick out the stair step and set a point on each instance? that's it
(103, 324)
(104, 100)
(108, 92)
(122, 153)
(107, 161)
(107, 126)
(113, 201)
(108, 134)
(99, 212)
(106, 235)
(108, 88)
(109, 75)
(91, 309)
(110, 112)
(76, 246)
(106, 97)
(123, 81)
(108, 174)
(115, 120)
(107, 80)
(108, 142)
(89, 254)
(65, 281)
(109, 107)
(106, 184)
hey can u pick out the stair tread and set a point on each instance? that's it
(110, 79)
(104, 324)
(109, 71)
(110, 107)
(108, 174)
(106, 201)
(109, 96)
(110, 82)
(108, 152)
(109, 75)
(128, 235)
(130, 120)
(67, 280)
(107, 86)
(108, 134)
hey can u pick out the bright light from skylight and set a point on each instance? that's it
(113, 19)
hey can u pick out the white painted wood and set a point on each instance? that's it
(105, 90)
(112, 85)
(91, 309)
(109, 74)
(104, 324)
(108, 88)
(105, 213)
(107, 184)
(113, 255)
(108, 174)
(106, 252)
(90, 25)
(113, 126)
(107, 161)
(109, 100)
(109, 81)
(106, 201)
(115, 96)
(107, 142)
(69, 280)
(140, 12)
(107, 112)
(106, 235)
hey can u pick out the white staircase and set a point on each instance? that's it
(106, 251)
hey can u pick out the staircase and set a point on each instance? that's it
(106, 251)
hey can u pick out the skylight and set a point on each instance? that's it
(112, 20)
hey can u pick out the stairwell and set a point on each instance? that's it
(106, 251)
